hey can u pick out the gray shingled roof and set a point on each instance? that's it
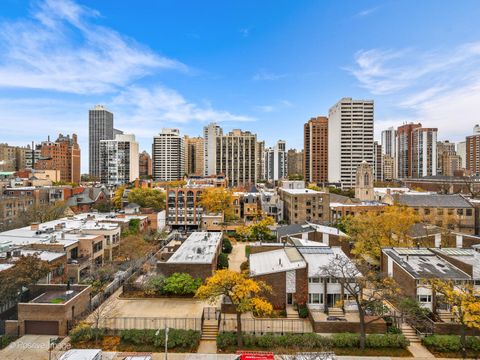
(434, 200)
(293, 229)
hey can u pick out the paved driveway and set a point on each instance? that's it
(31, 347)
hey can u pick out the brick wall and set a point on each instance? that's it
(278, 282)
(376, 327)
(195, 270)
(61, 313)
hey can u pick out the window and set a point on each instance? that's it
(425, 298)
(469, 212)
(439, 211)
(315, 298)
(426, 211)
(314, 280)
(459, 211)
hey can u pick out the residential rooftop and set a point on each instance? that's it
(302, 191)
(274, 261)
(199, 248)
(434, 200)
(423, 263)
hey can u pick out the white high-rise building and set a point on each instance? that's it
(389, 146)
(462, 152)
(168, 156)
(210, 134)
(350, 139)
(119, 160)
(276, 162)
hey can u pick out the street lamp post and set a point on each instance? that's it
(166, 340)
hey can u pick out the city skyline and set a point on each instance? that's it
(185, 74)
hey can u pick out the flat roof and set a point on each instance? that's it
(302, 191)
(70, 231)
(423, 263)
(468, 256)
(270, 262)
(199, 248)
(318, 257)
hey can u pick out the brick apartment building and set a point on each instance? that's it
(315, 137)
(62, 154)
(305, 205)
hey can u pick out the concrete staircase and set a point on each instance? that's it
(210, 330)
(446, 316)
(410, 333)
(338, 312)
(291, 312)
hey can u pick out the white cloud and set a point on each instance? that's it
(279, 105)
(366, 12)
(263, 75)
(60, 48)
(439, 88)
(160, 104)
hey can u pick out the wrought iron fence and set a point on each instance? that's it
(264, 326)
(145, 323)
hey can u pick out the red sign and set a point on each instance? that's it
(255, 355)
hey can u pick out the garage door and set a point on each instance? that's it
(41, 327)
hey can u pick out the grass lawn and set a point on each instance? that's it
(338, 351)
(112, 343)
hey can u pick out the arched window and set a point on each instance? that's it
(366, 180)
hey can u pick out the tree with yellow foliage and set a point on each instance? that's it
(365, 287)
(464, 301)
(259, 230)
(244, 293)
(373, 230)
(218, 200)
(117, 197)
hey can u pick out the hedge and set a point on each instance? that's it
(85, 332)
(311, 341)
(450, 343)
(180, 339)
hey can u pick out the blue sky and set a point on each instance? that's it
(264, 66)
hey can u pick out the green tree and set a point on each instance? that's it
(222, 261)
(28, 270)
(148, 198)
(227, 246)
(181, 284)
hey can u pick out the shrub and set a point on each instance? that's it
(85, 332)
(227, 246)
(222, 261)
(181, 284)
(387, 341)
(244, 266)
(154, 285)
(346, 340)
(443, 343)
(394, 330)
(473, 343)
(302, 311)
(180, 339)
(5, 340)
(224, 340)
(266, 341)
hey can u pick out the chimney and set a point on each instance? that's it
(280, 261)
(34, 226)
